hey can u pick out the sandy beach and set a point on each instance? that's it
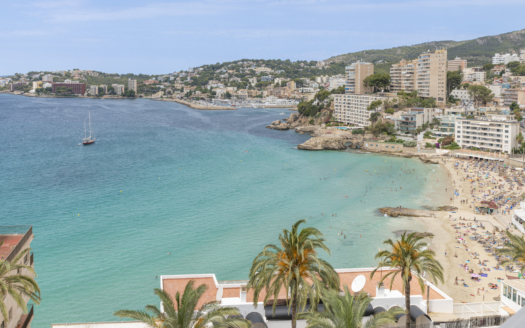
(448, 227)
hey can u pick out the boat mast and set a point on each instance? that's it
(89, 125)
(85, 133)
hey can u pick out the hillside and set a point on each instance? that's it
(478, 51)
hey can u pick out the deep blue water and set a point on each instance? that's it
(209, 187)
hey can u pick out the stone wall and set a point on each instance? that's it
(383, 146)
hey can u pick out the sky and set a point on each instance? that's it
(155, 37)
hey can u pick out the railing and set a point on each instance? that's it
(17, 230)
(29, 317)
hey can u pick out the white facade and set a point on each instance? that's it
(461, 94)
(504, 59)
(496, 90)
(518, 218)
(93, 90)
(47, 78)
(474, 74)
(513, 293)
(336, 83)
(119, 88)
(352, 108)
(491, 133)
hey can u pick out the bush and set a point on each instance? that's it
(453, 146)
(430, 145)
(358, 131)
(311, 121)
(427, 135)
(410, 143)
(447, 141)
(400, 140)
(393, 139)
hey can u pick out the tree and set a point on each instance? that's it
(453, 80)
(514, 106)
(429, 103)
(374, 105)
(515, 249)
(294, 267)
(488, 67)
(374, 117)
(377, 81)
(409, 258)
(347, 311)
(183, 313)
(13, 282)
(129, 93)
(227, 95)
(322, 95)
(340, 90)
(480, 93)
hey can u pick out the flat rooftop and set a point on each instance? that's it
(11, 236)
(9, 243)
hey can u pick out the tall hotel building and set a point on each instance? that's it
(355, 75)
(403, 76)
(431, 76)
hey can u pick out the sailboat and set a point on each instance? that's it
(91, 139)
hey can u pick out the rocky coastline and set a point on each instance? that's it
(402, 211)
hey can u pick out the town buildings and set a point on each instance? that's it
(119, 89)
(78, 88)
(504, 59)
(93, 90)
(461, 94)
(352, 108)
(414, 118)
(431, 76)
(47, 78)
(132, 85)
(356, 73)
(103, 89)
(514, 95)
(474, 74)
(456, 64)
(493, 133)
(16, 239)
(403, 76)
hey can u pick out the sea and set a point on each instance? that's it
(168, 190)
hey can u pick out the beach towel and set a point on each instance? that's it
(484, 275)
(497, 269)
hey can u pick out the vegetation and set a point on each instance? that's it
(409, 143)
(516, 68)
(411, 99)
(294, 266)
(452, 146)
(480, 93)
(358, 131)
(183, 313)
(347, 311)
(409, 258)
(515, 249)
(374, 105)
(13, 282)
(378, 81)
(453, 80)
(430, 145)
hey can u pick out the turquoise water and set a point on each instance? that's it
(209, 187)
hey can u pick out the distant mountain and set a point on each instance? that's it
(478, 51)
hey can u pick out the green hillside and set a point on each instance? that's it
(478, 51)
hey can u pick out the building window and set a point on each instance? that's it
(513, 299)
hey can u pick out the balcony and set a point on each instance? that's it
(25, 319)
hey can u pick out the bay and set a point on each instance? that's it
(171, 190)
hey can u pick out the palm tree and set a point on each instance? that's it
(347, 311)
(13, 282)
(294, 267)
(409, 258)
(183, 312)
(515, 249)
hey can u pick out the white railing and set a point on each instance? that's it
(479, 309)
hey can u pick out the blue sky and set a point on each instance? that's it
(156, 37)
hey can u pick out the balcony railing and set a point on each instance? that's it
(25, 320)
(17, 230)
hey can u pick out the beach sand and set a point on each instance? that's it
(445, 242)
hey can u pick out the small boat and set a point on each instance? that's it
(91, 139)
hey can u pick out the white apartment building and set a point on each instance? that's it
(461, 94)
(504, 59)
(494, 133)
(47, 78)
(352, 108)
(119, 88)
(474, 74)
(336, 83)
(431, 75)
(93, 90)
(132, 85)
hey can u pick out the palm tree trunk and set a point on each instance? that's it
(407, 303)
(294, 310)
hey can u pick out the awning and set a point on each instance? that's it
(509, 310)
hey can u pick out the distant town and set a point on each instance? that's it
(429, 89)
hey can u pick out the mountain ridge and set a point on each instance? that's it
(476, 51)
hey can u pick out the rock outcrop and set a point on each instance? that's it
(427, 160)
(323, 143)
(396, 211)
(278, 125)
(418, 234)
